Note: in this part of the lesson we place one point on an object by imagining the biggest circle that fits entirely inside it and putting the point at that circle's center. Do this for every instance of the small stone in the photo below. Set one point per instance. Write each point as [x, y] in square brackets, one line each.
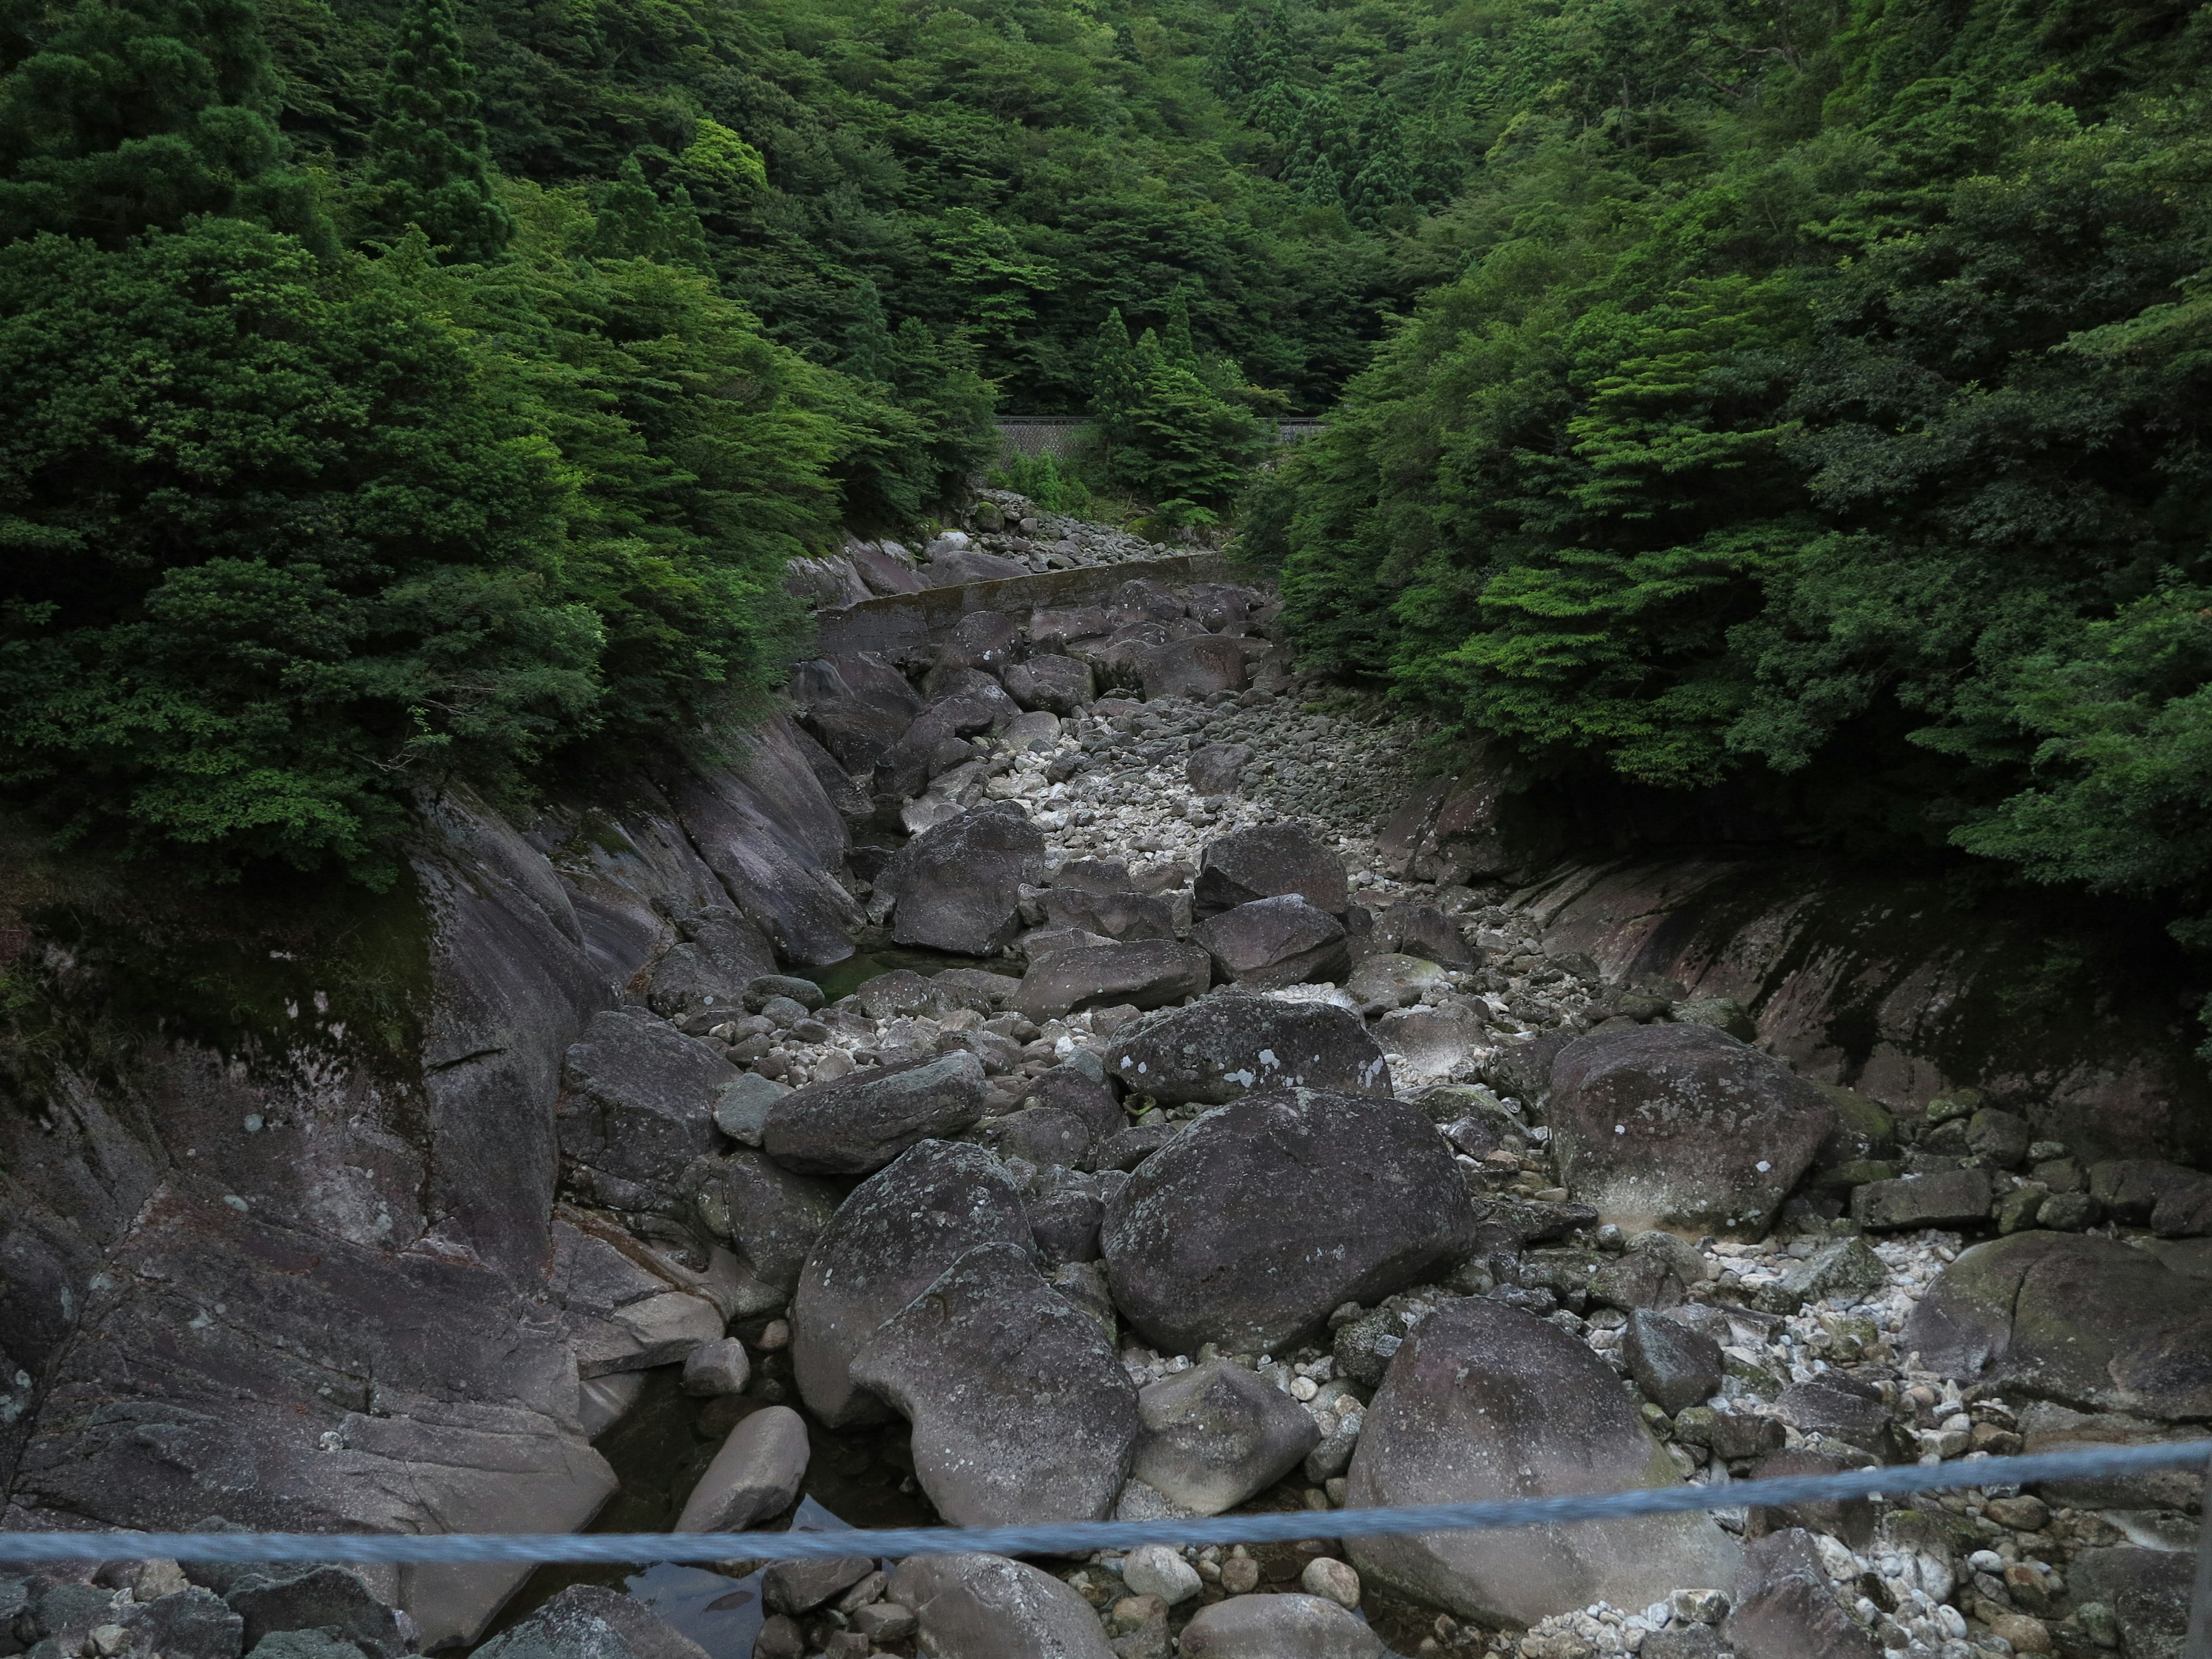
[2027, 1634]
[1156, 1569]
[717, 1368]
[1240, 1575]
[1698, 1606]
[775, 1334]
[1332, 1580]
[2026, 1513]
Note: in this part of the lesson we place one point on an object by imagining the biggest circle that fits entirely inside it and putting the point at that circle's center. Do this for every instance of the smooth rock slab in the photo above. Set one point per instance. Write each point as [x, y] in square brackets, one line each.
[1248, 1227]
[2088, 1322]
[1274, 942]
[1229, 1046]
[1683, 1127]
[985, 1606]
[1022, 1411]
[900, 1229]
[755, 1475]
[1216, 1434]
[958, 884]
[1269, 861]
[1279, 1627]
[1147, 973]
[860, 1123]
[1485, 1402]
[585, 1621]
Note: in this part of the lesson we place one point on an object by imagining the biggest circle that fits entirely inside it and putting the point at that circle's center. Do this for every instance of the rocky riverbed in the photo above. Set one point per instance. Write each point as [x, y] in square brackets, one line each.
[1203, 1159]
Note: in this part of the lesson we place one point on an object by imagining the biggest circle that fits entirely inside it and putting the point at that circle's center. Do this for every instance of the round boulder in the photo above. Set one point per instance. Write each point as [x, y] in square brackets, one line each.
[1227, 1046]
[1249, 1226]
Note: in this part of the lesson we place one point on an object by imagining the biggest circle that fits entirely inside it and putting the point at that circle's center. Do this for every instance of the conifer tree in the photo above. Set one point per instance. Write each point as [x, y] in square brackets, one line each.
[1116, 380]
[427, 151]
[868, 354]
[1319, 150]
[1386, 178]
[1180, 347]
[635, 223]
[119, 116]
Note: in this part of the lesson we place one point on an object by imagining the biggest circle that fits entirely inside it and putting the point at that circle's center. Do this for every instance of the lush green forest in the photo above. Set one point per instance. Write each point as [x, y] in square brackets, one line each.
[1819, 412]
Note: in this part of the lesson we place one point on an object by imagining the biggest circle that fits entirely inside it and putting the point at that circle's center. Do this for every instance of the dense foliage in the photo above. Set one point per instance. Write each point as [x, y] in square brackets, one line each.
[1820, 409]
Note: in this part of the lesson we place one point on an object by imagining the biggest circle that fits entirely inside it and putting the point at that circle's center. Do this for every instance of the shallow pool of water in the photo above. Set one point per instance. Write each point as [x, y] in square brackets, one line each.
[843, 978]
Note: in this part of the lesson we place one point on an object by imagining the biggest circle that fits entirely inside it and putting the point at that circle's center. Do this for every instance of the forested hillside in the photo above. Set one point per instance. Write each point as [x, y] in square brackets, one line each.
[1821, 412]
[401, 392]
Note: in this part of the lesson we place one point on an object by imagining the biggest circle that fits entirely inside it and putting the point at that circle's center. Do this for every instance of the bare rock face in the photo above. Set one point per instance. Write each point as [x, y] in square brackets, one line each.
[858, 1123]
[2087, 1322]
[1267, 862]
[985, 1606]
[857, 705]
[1141, 973]
[1022, 1413]
[1273, 942]
[1484, 1402]
[1227, 1046]
[958, 885]
[1682, 1126]
[1216, 1434]
[1246, 1229]
[900, 1229]
[637, 1105]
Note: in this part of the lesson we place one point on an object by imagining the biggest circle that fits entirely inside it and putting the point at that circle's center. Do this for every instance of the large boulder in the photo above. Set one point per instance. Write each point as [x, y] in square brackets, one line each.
[861, 1123]
[1283, 1626]
[707, 972]
[1216, 1434]
[958, 885]
[1249, 1226]
[755, 1475]
[1227, 1046]
[2089, 1322]
[587, 1621]
[1785, 1609]
[1048, 681]
[770, 1215]
[1682, 1127]
[1110, 915]
[1486, 1403]
[985, 1606]
[857, 705]
[1022, 1413]
[1273, 942]
[1421, 930]
[637, 1105]
[901, 1228]
[950, 567]
[1215, 768]
[1142, 973]
[1269, 861]
[1194, 667]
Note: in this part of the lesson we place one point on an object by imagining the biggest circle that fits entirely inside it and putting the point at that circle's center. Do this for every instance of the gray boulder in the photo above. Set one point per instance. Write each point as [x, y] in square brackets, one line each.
[1246, 1229]
[1229, 1046]
[290, 1644]
[1094, 876]
[1421, 930]
[856, 706]
[769, 1214]
[636, 1106]
[741, 1108]
[1215, 768]
[188, 1624]
[956, 565]
[901, 1228]
[1216, 1434]
[981, 639]
[319, 1598]
[1267, 862]
[1944, 1198]
[858, 1123]
[1066, 1208]
[1195, 667]
[755, 1476]
[883, 572]
[1785, 1609]
[586, 1621]
[1271, 942]
[958, 885]
[2175, 1202]
[2147, 1590]
[1674, 1366]
[1058, 685]
[707, 972]
[1287, 1626]
[1142, 973]
[985, 1606]
[2087, 1322]
[1112, 915]
[902, 991]
[1684, 1127]
[797, 1587]
[1022, 1413]
[1484, 1402]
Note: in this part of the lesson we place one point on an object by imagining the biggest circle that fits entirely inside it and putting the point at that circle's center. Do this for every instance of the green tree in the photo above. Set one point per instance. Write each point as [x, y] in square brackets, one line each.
[428, 149]
[117, 115]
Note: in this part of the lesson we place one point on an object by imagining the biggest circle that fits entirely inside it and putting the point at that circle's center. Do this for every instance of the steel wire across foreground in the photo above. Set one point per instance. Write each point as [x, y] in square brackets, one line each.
[1076, 1537]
